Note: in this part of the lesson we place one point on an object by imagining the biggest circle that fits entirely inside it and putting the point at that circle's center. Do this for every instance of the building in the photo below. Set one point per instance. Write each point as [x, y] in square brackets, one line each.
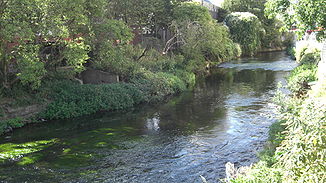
[211, 7]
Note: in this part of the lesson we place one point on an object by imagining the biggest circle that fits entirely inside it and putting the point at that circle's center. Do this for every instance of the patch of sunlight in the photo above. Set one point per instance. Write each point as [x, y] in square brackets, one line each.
[88, 172]
[111, 134]
[13, 151]
[101, 144]
[66, 151]
[29, 160]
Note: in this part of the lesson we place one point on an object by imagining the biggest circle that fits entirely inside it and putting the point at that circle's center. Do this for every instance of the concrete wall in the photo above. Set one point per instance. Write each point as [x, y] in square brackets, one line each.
[92, 76]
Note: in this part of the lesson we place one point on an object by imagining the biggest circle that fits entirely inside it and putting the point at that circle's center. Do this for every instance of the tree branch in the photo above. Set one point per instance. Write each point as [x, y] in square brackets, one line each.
[143, 54]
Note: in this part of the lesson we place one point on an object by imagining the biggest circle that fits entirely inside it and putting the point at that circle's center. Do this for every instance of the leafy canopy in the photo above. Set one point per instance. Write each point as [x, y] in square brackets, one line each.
[304, 14]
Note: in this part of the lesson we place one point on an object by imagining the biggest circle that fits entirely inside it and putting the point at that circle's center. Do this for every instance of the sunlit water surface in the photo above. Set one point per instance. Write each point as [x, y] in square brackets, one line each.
[224, 119]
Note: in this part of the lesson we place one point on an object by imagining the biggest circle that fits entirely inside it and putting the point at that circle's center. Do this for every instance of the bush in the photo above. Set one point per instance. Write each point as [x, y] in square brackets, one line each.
[276, 135]
[245, 29]
[146, 86]
[156, 62]
[291, 52]
[259, 173]
[156, 86]
[192, 12]
[9, 124]
[116, 59]
[302, 153]
[188, 78]
[201, 40]
[89, 99]
[306, 53]
[207, 43]
[311, 57]
[237, 50]
[298, 81]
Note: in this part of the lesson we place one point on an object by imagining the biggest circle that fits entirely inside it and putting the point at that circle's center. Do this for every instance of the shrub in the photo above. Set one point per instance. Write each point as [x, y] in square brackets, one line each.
[201, 40]
[237, 50]
[309, 54]
[146, 86]
[192, 12]
[157, 86]
[298, 81]
[259, 173]
[302, 153]
[291, 52]
[89, 99]
[310, 57]
[9, 124]
[156, 62]
[245, 29]
[206, 43]
[115, 59]
[188, 78]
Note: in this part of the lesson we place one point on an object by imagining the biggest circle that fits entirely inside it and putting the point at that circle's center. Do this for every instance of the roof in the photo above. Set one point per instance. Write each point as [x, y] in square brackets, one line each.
[214, 2]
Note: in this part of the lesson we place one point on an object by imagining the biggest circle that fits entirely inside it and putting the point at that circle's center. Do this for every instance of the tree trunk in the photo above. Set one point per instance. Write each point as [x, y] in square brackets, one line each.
[4, 68]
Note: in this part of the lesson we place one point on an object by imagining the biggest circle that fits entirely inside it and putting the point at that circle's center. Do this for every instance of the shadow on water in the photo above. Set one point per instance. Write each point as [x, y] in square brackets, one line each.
[225, 119]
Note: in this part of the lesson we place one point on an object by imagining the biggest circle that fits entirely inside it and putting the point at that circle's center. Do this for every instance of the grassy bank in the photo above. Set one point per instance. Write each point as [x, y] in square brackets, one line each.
[64, 99]
[297, 145]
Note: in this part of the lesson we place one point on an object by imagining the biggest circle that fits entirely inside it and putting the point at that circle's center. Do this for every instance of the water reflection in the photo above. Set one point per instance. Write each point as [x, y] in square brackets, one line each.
[153, 123]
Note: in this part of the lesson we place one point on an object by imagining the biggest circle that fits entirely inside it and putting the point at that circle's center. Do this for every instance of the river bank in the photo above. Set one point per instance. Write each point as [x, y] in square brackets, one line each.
[64, 99]
[68, 99]
[225, 118]
[296, 147]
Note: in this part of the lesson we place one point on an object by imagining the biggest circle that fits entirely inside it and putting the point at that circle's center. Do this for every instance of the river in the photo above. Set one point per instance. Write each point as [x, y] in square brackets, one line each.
[224, 119]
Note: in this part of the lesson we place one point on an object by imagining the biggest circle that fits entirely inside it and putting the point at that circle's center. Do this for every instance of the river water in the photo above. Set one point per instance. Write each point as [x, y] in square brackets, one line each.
[224, 119]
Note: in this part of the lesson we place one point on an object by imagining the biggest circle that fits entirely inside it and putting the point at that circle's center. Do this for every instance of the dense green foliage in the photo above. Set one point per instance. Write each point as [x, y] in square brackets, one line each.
[302, 152]
[149, 87]
[301, 77]
[42, 54]
[304, 14]
[89, 99]
[245, 29]
[30, 28]
[11, 123]
[307, 54]
[272, 37]
[255, 7]
[191, 12]
[152, 14]
[201, 39]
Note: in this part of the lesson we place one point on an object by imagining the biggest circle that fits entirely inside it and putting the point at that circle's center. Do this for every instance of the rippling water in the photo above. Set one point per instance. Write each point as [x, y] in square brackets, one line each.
[225, 119]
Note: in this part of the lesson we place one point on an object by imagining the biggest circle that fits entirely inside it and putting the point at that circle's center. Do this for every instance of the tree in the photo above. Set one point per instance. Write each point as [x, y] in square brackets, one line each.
[304, 14]
[245, 29]
[255, 7]
[38, 35]
[200, 38]
[271, 25]
[150, 14]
